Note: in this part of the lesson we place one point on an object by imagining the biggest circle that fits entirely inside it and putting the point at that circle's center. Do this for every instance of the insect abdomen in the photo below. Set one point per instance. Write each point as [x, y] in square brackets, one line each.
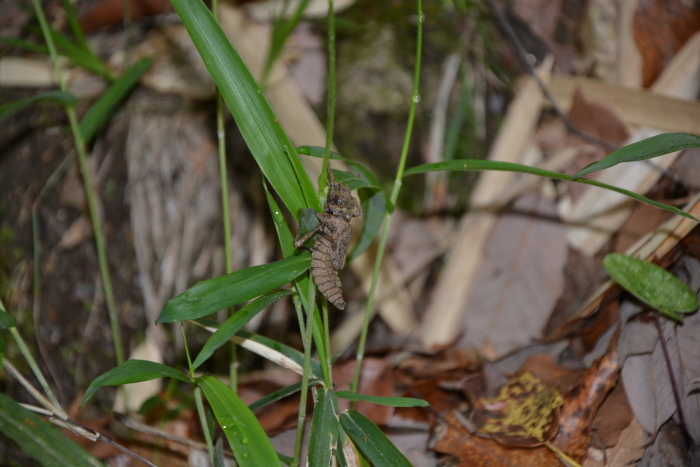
[325, 277]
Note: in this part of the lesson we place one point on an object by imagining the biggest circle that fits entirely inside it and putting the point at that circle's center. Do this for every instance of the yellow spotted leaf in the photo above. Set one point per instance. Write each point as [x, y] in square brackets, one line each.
[525, 413]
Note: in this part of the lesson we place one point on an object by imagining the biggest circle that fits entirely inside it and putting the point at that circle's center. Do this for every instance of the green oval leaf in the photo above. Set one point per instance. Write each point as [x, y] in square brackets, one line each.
[371, 441]
[132, 371]
[652, 284]
[235, 323]
[481, 165]
[390, 401]
[221, 292]
[267, 141]
[248, 440]
[642, 150]
[37, 438]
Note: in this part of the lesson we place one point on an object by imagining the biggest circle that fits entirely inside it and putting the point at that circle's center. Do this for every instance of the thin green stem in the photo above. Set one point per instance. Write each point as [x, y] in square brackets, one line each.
[90, 191]
[330, 118]
[330, 125]
[226, 217]
[327, 340]
[415, 98]
[307, 339]
[37, 372]
[203, 420]
[187, 349]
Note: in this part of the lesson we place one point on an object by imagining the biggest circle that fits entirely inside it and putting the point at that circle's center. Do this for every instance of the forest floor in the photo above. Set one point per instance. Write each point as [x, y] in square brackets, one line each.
[493, 293]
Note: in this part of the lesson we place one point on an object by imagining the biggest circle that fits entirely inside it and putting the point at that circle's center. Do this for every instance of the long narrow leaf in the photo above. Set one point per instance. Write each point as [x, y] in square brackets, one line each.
[374, 207]
[280, 394]
[59, 97]
[6, 320]
[324, 429]
[390, 401]
[80, 56]
[98, 114]
[234, 324]
[249, 443]
[267, 141]
[371, 441]
[224, 291]
[285, 351]
[132, 371]
[39, 439]
[481, 165]
[642, 150]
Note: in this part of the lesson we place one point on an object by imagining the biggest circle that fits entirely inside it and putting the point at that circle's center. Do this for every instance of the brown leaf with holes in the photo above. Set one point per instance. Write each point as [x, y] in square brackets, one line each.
[525, 413]
[455, 439]
[581, 405]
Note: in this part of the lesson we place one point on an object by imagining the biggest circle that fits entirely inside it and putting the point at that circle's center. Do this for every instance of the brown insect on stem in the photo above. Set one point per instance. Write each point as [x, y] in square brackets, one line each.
[331, 246]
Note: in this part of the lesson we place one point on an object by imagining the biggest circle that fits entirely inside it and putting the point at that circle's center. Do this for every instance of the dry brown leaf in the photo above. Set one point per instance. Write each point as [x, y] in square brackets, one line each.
[519, 281]
[646, 375]
[614, 416]
[453, 438]
[628, 450]
[661, 27]
[581, 404]
[524, 414]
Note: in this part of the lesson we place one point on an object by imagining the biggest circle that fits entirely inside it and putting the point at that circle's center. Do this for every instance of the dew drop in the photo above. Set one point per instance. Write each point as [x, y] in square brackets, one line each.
[244, 455]
[416, 98]
[244, 441]
[421, 18]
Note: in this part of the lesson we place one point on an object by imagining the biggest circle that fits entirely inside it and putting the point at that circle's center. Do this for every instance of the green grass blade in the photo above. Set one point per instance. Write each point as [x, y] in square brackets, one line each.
[371, 441]
[221, 292]
[74, 24]
[132, 371]
[249, 443]
[642, 150]
[324, 429]
[25, 45]
[285, 350]
[280, 394]
[234, 324]
[652, 284]
[374, 206]
[6, 320]
[481, 165]
[80, 56]
[267, 141]
[37, 438]
[104, 107]
[390, 401]
[281, 30]
[284, 233]
[293, 354]
[60, 97]
[315, 151]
